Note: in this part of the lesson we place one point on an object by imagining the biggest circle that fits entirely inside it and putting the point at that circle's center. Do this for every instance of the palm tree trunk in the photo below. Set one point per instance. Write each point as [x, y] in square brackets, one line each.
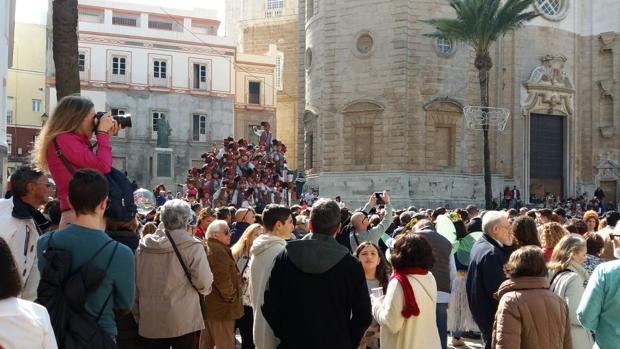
[65, 47]
[483, 78]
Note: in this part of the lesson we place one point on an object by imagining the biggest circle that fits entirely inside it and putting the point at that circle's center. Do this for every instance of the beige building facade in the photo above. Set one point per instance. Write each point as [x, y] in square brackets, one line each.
[383, 104]
[270, 27]
[26, 105]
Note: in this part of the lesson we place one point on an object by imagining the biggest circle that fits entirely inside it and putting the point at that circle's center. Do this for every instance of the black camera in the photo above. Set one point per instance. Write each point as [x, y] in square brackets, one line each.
[124, 121]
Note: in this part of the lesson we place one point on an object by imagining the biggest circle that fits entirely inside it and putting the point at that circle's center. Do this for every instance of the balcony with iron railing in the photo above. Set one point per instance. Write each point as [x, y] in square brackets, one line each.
[119, 78]
[272, 13]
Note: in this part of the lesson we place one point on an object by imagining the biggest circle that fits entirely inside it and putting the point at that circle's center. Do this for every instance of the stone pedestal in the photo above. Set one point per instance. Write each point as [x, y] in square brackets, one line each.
[163, 162]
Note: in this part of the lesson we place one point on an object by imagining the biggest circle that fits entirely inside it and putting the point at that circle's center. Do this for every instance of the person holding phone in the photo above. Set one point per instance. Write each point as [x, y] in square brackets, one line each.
[377, 271]
[70, 128]
[361, 222]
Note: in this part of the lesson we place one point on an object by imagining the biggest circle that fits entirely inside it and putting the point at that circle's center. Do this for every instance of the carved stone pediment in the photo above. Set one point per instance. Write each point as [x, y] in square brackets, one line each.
[607, 169]
[363, 105]
[607, 39]
[549, 88]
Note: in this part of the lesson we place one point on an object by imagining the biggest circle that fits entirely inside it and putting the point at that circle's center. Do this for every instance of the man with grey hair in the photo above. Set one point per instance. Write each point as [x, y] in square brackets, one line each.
[224, 305]
[485, 273]
[329, 280]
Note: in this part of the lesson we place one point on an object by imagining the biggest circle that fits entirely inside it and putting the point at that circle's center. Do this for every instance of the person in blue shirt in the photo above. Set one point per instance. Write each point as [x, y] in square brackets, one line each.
[599, 309]
[83, 238]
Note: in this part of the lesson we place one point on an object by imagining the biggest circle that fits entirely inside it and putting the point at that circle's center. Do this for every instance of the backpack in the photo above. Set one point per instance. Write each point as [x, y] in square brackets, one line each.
[64, 294]
[121, 207]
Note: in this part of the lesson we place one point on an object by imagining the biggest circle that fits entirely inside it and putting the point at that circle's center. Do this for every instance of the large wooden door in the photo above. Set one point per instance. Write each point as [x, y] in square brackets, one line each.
[546, 155]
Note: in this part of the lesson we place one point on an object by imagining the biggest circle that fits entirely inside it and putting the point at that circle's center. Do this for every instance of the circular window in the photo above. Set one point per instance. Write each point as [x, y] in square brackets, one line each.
[444, 47]
[552, 9]
[308, 58]
[364, 43]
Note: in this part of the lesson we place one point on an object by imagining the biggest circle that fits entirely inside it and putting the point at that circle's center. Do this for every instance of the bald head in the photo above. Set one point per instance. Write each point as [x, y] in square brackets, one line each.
[245, 215]
[359, 221]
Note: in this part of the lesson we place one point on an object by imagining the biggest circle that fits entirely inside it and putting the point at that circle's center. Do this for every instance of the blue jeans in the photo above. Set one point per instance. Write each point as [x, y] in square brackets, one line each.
[442, 323]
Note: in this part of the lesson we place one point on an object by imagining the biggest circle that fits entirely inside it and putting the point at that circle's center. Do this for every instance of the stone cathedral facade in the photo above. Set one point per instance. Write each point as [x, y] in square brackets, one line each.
[381, 105]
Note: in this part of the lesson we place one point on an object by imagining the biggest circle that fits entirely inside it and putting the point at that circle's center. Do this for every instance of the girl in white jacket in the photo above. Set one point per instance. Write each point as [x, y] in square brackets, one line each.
[568, 279]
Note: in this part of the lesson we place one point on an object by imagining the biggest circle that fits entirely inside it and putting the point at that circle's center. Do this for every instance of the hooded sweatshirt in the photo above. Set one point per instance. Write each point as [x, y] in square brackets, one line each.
[317, 280]
[264, 251]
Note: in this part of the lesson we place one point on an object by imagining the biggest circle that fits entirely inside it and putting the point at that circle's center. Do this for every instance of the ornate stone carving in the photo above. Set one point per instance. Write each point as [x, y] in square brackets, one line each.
[549, 88]
[607, 88]
[607, 169]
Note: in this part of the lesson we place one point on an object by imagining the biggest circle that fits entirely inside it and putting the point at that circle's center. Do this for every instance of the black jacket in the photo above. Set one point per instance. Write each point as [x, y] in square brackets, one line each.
[317, 296]
[238, 228]
[484, 277]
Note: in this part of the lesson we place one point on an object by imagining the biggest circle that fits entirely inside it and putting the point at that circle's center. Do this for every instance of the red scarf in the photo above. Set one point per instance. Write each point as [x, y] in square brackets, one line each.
[411, 306]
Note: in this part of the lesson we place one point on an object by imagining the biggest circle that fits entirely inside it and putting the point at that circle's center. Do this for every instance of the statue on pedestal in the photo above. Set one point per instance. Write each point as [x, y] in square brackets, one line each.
[163, 132]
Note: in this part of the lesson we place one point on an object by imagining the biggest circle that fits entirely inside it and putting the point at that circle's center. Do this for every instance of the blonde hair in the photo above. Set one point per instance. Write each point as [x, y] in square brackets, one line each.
[240, 246]
[564, 251]
[147, 229]
[550, 234]
[67, 117]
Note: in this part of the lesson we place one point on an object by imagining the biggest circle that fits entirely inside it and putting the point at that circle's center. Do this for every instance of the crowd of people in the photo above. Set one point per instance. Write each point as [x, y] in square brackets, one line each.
[318, 274]
[241, 174]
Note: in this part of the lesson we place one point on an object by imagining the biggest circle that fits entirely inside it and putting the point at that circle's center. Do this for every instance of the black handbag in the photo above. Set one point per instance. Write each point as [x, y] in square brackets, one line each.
[189, 276]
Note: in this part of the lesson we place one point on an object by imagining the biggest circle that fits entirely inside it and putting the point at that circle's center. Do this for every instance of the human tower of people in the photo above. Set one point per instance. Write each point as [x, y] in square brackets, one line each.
[77, 273]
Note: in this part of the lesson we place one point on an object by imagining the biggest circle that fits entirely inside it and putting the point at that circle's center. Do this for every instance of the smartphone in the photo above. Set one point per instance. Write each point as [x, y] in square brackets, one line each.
[379, 199]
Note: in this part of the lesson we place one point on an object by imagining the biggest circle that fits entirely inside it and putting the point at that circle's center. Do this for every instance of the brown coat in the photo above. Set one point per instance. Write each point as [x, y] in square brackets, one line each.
[530, 316]
[224, 302]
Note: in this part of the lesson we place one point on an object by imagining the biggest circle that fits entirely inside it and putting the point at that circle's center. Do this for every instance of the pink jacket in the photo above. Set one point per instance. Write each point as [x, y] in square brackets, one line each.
[76, 149]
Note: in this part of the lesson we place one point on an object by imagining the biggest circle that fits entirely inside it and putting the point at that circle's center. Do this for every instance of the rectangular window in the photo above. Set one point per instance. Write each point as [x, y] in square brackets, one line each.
[278, 72]
[36, 105]
[274, 8]
[9, 142]
[156, 116]
[273, 4]
[254, 92]
[159, 24]
[119, 65]
[81, 62]
[125, 20]
[200, 76]
[199, 128]
[443, 151]
[9, 109]
[90, 16]
[363, 145]
[159, 69]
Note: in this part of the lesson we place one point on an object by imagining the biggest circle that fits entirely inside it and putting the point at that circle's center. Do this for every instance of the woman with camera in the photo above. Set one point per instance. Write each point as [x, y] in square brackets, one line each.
[69, 130]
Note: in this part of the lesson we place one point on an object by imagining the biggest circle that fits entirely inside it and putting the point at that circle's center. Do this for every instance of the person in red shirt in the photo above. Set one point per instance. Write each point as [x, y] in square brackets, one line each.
[71, 126]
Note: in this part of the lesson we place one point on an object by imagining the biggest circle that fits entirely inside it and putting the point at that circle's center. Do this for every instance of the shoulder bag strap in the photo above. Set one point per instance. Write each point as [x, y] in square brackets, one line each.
[551, 287]
[424, 288]
[185, 269]
[62, 157]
